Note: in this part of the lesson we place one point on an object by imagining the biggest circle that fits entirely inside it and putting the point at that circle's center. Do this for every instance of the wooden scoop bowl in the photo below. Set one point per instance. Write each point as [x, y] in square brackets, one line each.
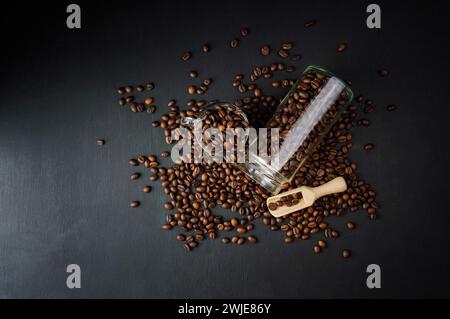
[309, 196]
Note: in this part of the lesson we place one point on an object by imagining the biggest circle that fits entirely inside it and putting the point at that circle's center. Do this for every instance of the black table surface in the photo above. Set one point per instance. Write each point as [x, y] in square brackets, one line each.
[64, 200]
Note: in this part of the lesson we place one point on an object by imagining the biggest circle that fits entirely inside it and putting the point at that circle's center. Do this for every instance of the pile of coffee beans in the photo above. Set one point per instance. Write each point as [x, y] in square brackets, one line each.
[196, 190]
[288, 201]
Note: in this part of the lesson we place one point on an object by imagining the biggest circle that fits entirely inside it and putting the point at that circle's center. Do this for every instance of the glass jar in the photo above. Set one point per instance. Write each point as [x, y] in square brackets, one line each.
[305, 115]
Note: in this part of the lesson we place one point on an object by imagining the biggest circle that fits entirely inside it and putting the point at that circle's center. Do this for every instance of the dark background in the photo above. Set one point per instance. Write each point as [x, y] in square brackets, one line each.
[64, 200]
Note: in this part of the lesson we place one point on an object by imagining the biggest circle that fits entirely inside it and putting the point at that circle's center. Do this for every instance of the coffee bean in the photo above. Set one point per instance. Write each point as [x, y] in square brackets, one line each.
[129, 89]
[122, 101]
[391, 107]
[265, 50]
[129, 99]
[283, 53]
[121, 90]
[368, 147]
[225, 240]
[351, 225]
[150, 86]
[155, 123]
[252, 239]
[322, 243]
[192, 89]
[234, 222]
[100, 141]
[244, 32]
[234, 43]
[241, 230]
[193, 74]
[241, 241]
[186, 56]
[346, 253]
[140, 88]
[167, 227]
[273, 206]
[168, 206]
[151, 109]
[135, 176]
[287, 45]
[207, 82]
[341, 47]
[147, 189]
[310, 23]
[148, 101]
[317, 249]
[133, 162]
[135, 204]
[205, 48]
[186, 247]
[165, 154]
[181, 237]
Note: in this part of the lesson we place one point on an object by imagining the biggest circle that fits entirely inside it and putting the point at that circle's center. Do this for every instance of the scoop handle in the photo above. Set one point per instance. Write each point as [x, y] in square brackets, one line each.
[337, 185]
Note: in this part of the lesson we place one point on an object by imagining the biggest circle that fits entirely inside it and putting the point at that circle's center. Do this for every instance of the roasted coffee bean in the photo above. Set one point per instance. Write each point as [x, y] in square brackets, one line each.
[317, 249]
[205, 47]
[129, 99]
[368, 147]
[322, 243]
[287, 45]
[241, 230]
[252, 239]
[155, 123]
[351, 225]
[135, 204]
[225, 240]
[186, 247]
[121, 90]
[150, 86]
[148, 101]
[310, 23]
[186, 56]
[346, 253]
[181, 237]
[151, 109]
[122, 101]
[192, 89]
[167, 227]
[147, 189]
[241, 241]
[133, 162]
[265, 50]
[234, 43]
[129, 89]
[207, 82]
[100, 141]
[244, 32]
[193, 74]
[283, 53]
[273, 206]
[165, 154]
[391, 107]
[140, 88]
[168, 206]
[341, 47]
[135, 176]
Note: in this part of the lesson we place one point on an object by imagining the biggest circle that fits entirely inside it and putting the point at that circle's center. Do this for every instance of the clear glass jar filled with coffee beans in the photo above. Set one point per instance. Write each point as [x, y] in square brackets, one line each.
[305, 115]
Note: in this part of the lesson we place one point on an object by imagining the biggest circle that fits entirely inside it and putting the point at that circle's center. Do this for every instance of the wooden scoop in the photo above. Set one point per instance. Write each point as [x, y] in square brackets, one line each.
[309, 196]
